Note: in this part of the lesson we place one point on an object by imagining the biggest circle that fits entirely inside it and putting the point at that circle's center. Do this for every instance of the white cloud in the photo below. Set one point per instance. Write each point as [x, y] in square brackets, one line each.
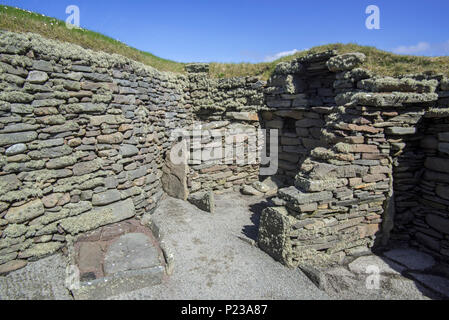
[419, 48]
[425, 48]
[280, 55]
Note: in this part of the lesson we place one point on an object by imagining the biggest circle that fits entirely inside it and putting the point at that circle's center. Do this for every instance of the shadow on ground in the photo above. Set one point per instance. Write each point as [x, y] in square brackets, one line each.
[252, 231]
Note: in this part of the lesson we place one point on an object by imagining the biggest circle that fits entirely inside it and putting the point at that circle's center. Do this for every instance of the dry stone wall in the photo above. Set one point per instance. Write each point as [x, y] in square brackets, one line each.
[224, 110]
[364, 187]
[299, 95]
[85, 139]
[82, 141]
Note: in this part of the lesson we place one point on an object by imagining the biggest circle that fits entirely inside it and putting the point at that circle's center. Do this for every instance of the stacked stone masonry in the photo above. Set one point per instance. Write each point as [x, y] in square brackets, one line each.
[83, 137]
[86, 141]
[379, 175]
[222, 110]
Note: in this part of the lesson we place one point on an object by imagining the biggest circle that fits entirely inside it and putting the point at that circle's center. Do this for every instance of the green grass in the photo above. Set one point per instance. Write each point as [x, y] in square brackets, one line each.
[378, 61]
[18, 20]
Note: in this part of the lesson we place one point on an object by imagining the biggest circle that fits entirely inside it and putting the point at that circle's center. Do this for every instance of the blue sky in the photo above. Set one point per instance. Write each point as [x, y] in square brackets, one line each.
[256, 30]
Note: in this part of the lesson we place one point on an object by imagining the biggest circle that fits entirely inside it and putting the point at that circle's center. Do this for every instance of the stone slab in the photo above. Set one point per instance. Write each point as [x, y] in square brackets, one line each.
[98, 217]
[119, 283]
[132, 251]
[411, 258]
[436, 283]
[361, 265]
[203, 200]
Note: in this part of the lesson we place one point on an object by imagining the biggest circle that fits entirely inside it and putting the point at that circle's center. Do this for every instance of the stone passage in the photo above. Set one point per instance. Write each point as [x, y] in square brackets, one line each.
[86, 141]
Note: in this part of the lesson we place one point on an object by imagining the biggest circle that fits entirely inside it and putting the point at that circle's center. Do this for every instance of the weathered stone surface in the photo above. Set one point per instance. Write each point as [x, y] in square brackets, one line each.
[12, 266]
[107, 119]
[245, 116]
[312, 185]
[119, 283]
[37, 77]
[84, 108]
[297, 197]
[104, 198]
[437, 164]
[115, 138]
[389, 84]
[132, 251]
[174, 179]
[400, 130]
[273, 233]
[15, 230]
[41, 250]
[54, 152]
[346, 61]
[396, 99]
[251, 191]
[273, 185]
[411, 258]
[16, 149]
[17, 137]
[197, 67]
[98, 217]
[61, 162]
[136, 174]
[68, 126]
[203, 200]
[364, 265]
[128, 150]
[25, 212]
[261, 187]
[8, 183]
[51, 200]
[436, 283]
[83, 168]
[438, 222]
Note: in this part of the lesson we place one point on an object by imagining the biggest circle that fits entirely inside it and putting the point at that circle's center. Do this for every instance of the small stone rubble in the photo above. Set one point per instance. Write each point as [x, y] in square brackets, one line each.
[397, 274]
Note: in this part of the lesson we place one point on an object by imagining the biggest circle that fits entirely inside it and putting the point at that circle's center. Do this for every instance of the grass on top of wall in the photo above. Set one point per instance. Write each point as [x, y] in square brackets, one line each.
[378, 61]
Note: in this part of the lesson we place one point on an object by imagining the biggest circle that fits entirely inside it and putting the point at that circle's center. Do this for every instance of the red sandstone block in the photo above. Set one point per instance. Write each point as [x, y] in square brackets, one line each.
[373, 156]
[365, 148]
[355, 181]
[374, 177]
[380, 169]
[355, 139]
[368, 230]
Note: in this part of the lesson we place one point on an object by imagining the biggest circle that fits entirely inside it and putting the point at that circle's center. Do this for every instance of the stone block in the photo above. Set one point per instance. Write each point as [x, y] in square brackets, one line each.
[203, 200]
[411, 258]
[437, 164]
[26, 212]
[344, 62]
[17, 137]
[99, 216]
[295, 196]
[105, 198]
